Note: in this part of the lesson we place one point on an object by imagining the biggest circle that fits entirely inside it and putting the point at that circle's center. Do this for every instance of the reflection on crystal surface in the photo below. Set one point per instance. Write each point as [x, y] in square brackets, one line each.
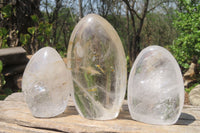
[155, 87]
[98, 65]
[46, 83]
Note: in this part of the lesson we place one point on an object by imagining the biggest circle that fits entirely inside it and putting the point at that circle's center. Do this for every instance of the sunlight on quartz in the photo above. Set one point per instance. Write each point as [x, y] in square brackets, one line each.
[155, 87]
[98, 65]
[46, 83]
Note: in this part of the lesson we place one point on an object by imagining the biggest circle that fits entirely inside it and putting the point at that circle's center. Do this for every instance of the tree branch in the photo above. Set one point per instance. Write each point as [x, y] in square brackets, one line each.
[158, 4]
[146, 4]
[131, 8]
[131, 13]
[47, 10]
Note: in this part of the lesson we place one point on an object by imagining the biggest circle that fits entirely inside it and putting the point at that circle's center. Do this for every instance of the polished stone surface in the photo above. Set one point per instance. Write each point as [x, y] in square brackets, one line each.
[46, 83]
[155, 87]
[97, 60]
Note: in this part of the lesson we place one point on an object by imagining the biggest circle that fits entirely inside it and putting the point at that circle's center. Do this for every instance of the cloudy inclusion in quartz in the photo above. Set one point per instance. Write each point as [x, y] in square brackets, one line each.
[155, 87]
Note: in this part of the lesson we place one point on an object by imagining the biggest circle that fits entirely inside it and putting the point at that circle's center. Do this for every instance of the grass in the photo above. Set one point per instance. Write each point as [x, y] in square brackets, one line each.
[191, 87]
[2, 96]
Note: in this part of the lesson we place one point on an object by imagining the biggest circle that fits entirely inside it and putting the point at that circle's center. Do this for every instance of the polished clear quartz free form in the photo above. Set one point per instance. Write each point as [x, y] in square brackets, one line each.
[155, 87]
[46, 83]
[98, 64]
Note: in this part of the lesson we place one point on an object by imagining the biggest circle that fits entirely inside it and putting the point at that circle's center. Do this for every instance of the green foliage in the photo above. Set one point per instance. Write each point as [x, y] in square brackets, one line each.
[158, 29]
[187, 47]
[128, 65]
[32, 30]
[191, 87]
[35, 18]
[1, 66]
[6, 91]
[3, 37]
[24, 38]
[6, 11]
[41, 32]
[3, 31]
[2, 80]
[2, 97]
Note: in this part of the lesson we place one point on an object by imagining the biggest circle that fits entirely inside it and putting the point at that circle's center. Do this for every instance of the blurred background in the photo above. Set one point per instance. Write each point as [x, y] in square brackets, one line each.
[33, 24]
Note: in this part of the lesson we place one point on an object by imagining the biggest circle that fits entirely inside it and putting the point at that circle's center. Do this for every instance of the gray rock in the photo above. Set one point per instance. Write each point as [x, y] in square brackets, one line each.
[194, 96]
[189, 76]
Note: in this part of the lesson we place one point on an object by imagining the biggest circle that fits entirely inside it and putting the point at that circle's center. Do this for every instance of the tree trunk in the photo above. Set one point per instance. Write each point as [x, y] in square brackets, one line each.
[134, 47]
[127, 29]
[80, 9]
[55, 21]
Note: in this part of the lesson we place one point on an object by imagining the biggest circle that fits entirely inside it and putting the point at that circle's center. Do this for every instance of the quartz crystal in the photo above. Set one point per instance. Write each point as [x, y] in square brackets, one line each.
[46, 83]
[98, 64]
[155, 87]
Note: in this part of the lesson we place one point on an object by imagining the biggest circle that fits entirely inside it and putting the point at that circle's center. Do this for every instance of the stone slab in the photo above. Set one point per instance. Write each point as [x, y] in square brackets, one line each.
[16, 117]
[12, 51]
[13, 56]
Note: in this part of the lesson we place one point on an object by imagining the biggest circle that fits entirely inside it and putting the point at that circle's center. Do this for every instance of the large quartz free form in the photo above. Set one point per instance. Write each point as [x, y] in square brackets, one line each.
[98, 65]
[46, 83]
[155, 87]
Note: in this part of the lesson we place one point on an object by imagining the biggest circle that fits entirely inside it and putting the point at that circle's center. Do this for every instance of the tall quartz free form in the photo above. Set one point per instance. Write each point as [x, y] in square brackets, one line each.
[46, 83]
[98, 64]
[155, 87]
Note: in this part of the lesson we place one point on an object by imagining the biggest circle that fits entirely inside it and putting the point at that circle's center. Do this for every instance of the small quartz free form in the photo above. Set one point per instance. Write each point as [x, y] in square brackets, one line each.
[46, 83]
[155, 87]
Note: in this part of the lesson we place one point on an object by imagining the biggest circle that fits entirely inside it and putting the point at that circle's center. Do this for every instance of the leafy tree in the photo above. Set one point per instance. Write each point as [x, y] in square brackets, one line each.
[15, 18]
[158, 28]
[38, 36]
[186, 47]
[2, 81]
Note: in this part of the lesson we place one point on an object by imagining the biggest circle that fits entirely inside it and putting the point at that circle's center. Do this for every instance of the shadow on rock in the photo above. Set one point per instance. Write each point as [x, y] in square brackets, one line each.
[185, 119]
